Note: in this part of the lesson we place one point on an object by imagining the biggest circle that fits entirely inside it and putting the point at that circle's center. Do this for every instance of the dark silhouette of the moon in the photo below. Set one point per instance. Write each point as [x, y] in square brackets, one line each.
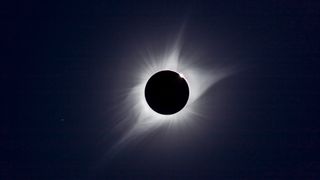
[167, 92]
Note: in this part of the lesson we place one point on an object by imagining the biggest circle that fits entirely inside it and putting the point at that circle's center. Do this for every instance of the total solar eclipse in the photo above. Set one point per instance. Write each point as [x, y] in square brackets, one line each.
[160, 96]
[167, 92]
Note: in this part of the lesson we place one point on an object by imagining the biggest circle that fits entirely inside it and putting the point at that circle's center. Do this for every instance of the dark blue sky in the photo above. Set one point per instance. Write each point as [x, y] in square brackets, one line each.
[60, 70]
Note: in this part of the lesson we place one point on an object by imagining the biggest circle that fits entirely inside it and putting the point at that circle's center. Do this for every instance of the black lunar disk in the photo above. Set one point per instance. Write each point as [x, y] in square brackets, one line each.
[167, 92]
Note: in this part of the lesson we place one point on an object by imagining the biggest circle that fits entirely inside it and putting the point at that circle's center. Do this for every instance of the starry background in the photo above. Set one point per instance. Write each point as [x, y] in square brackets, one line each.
[61, 65]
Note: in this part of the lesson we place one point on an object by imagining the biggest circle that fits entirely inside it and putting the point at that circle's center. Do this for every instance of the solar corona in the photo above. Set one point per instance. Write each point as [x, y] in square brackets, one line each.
[165, 92]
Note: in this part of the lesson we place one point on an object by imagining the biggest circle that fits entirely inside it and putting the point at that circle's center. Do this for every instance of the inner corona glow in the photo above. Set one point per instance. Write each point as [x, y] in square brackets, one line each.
[198, 80]
[139, 114]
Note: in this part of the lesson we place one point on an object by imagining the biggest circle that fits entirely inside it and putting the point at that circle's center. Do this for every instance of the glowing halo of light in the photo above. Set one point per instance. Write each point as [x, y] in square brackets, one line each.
[142, 117]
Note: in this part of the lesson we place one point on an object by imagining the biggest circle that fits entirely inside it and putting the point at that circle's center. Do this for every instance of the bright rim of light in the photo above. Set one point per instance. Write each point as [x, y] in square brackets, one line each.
[138, 112]
[181, 75]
